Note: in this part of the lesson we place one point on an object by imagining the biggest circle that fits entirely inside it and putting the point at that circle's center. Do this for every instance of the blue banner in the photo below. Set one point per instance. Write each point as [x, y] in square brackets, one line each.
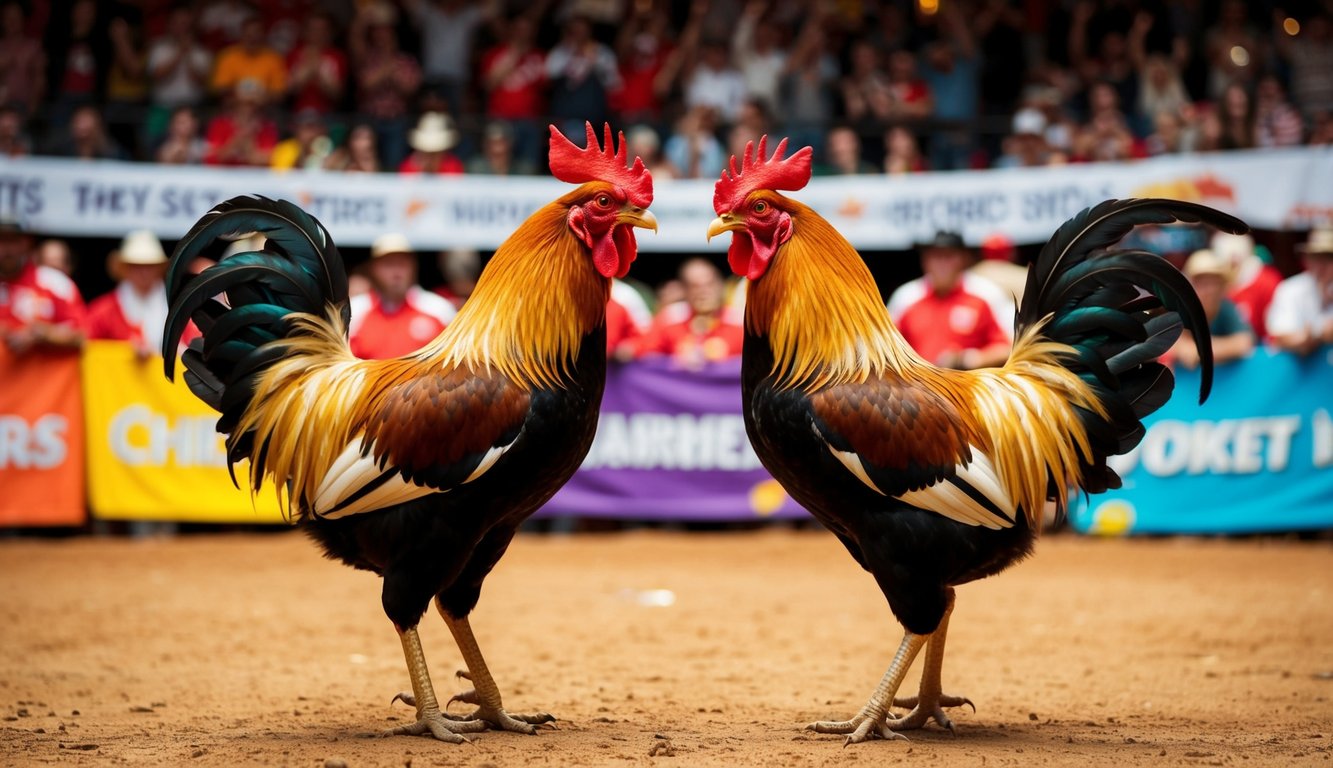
[1258, 456]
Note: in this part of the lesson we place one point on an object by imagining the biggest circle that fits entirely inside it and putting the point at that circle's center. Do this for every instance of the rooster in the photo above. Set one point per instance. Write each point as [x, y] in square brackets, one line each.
[933, 478]
[418, 468]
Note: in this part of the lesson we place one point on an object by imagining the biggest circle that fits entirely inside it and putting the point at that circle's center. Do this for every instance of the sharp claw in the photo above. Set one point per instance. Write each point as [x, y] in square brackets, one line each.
[404, 697]
[970, 704]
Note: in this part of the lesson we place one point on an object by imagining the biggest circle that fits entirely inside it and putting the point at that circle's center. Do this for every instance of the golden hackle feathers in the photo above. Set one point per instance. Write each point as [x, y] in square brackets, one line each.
[827, 325]
[820, 309]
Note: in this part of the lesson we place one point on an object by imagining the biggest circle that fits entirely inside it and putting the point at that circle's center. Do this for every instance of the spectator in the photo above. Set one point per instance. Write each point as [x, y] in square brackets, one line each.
[808, 82]
[583, 73]
[909, 95]
[1235, 114]
[1232, 337]
[1161, 88]
[842, 154]
[221, 22]
[1170, 136]
[902, 153]
[1233, 48]
[1252, 281]
[941, 314]
[1300, 319]
[22, 62]
[54, 253]
[126, 85]
[77, 61]
[136, 309]
[241, 134]
[627, 320]
[700, 329]
[40, 308]
[715, 82]
[866, 94]
[447, 29]
[998, 264]
[308, 147]
[1310, 58]
[87, 138]
[386, 79]
[497, 154]
[358, 154]
[179, 66]
[14, 139]
[183, 143]
[251, 59]
[952, 72]
[461, 268]
[398, 316]
[758, 54]
[644, 48]
[1026, 146]
[1277, 122]
[693, 150]
[431, 141]
[644, 143]
[1321, 131]
[316, 70]
[513, 72]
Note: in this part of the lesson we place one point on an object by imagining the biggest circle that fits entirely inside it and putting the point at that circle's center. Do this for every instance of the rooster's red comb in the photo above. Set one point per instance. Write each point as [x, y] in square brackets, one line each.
[758, 172]
[576, 166]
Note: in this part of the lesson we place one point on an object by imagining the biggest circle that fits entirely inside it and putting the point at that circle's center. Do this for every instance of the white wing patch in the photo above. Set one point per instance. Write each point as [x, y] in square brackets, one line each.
[352, 471]
[946, 497]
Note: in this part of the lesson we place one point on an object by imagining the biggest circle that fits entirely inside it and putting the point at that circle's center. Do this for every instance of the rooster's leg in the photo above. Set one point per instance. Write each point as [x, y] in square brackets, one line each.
[930, 701]
[873, 719]
[429, 718]
[485, 693]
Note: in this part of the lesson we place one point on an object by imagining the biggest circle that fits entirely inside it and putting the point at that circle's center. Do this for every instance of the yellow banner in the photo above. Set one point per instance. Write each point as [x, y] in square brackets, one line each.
[153, 452]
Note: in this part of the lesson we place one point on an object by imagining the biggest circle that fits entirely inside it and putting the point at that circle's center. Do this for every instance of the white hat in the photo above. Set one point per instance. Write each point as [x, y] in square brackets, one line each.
[1029, 120]
[1205, 262]
[1232, 249]
[435, 132]
[141, 247]
[391, 242]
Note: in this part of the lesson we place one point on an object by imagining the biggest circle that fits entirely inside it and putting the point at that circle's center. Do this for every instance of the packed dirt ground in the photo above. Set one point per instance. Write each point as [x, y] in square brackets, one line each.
[670, 649]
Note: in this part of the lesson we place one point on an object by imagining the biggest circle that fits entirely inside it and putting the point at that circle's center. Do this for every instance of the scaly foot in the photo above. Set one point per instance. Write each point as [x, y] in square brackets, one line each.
[925, 711]
[860, 728]
[438, 725]
[494, 718]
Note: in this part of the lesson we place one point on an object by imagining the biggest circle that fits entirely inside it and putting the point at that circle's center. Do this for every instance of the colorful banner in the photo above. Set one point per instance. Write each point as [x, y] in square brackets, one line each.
[41, 439]
[671, 445]
[1271, 189]
[153, 452]
[1258, 456]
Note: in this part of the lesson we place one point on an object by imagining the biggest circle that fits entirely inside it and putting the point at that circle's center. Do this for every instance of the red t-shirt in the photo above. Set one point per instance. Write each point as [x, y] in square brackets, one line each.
[673, 333]
[519, 95]
[953, 322]
[378, 334]
[311, 95]
[223, 128]
[106, 320]
[40, 294]
[450, 165]
[1253, 298]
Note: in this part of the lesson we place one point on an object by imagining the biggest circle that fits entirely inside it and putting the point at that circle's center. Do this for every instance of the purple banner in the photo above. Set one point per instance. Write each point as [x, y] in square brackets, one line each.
[671, 444]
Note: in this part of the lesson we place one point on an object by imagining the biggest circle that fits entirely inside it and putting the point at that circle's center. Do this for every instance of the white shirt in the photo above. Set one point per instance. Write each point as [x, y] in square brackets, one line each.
[1297, 306]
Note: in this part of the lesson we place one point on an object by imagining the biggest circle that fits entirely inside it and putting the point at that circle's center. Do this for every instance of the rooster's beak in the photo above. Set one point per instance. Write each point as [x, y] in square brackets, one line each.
[727, 222]
[637, 217]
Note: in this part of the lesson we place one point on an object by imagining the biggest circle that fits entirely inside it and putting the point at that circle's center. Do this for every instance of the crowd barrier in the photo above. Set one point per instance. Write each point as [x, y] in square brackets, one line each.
[1270, 189]
[671, 445]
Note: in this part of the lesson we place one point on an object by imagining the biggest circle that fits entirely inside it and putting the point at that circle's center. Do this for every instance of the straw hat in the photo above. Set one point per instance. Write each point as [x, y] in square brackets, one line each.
[391, 242]
[1205, 262]
[1321, 241]
[140, 247]
[435, 132]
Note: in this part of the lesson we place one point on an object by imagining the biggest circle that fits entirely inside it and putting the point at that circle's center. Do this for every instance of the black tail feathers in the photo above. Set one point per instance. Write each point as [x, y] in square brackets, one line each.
[241, 303]
[1119, 310]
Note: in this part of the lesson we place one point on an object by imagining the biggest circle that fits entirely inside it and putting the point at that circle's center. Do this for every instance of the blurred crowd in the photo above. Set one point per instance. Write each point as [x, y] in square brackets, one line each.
[448, 86]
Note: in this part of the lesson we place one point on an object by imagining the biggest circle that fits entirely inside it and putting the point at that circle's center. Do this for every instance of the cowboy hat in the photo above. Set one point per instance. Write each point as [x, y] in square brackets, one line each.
[140, 248]
[1321, 241]
[435, 132]
[391, 242]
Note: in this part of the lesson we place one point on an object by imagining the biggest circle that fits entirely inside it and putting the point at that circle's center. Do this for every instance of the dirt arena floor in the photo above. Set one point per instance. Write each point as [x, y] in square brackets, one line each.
[664, 649]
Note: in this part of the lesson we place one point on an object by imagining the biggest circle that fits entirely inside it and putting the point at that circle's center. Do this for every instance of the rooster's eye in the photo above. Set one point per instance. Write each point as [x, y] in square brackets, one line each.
[604, 201]
[760, 207]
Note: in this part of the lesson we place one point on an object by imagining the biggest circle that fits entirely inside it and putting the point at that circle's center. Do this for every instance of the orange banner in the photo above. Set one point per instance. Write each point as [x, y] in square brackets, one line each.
[41, 439]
